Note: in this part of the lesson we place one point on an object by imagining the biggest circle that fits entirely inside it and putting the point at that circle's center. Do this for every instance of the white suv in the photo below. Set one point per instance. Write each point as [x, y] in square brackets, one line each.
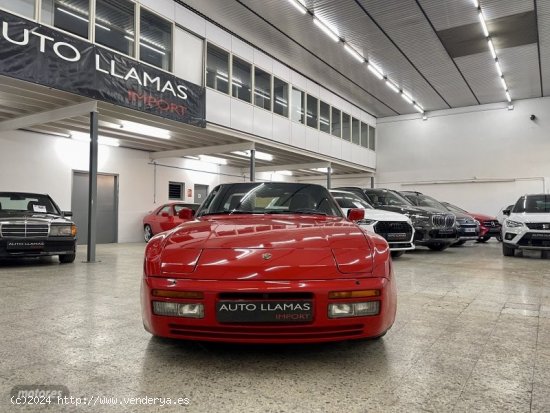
[527, 225]
[396, 228]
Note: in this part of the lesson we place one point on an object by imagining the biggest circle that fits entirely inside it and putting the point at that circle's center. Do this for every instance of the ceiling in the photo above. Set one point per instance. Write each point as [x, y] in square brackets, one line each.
[433, 49]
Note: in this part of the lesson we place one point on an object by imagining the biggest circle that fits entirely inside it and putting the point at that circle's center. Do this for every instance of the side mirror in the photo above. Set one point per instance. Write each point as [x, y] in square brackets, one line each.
[506, 212]
[356, 214]
[186, 213]
[67, 214]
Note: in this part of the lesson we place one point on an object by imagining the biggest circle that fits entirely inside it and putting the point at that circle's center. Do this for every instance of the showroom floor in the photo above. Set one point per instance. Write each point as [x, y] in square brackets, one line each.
[472, 334]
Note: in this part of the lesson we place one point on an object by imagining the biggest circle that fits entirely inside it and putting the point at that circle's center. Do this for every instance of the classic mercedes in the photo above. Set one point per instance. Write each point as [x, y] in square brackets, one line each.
[268, 263]
[32, 225]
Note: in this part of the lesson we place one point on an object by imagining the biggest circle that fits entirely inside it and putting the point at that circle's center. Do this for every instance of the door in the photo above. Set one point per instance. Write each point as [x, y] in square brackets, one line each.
[107, 207]
[200, 193]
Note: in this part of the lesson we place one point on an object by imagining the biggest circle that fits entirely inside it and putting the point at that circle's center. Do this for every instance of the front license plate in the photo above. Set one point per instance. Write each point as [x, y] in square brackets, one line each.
[446, 231]
[397, 236]
[25, 245]
[540, 236]
[264, 311]
[469, 230]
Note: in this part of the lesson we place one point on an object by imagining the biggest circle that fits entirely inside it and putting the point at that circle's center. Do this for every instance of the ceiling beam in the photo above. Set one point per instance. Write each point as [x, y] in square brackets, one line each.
[48, 116]
[293, 167]
[205, 150]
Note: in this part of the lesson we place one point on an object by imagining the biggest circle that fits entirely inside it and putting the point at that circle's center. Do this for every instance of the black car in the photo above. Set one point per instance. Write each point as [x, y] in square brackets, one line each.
[467, 227]
[32, 225]
[433, 229]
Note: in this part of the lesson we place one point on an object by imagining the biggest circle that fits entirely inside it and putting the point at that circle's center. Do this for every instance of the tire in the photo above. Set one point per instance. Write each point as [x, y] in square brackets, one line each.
[484, 239]
[67, 258]
[397, 254]
[499, 237]
[438, 246]
[507, 251]
[147, 233]
[459, 243]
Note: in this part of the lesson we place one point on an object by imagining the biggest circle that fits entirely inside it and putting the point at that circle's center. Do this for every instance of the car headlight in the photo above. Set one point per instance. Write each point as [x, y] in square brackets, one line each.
[189, 310]
[513, 224]
[367, 221]
[340, 310]
[63, 230]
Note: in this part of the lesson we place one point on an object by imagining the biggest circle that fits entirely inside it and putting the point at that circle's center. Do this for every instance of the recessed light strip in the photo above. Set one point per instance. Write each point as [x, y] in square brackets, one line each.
[492, 49]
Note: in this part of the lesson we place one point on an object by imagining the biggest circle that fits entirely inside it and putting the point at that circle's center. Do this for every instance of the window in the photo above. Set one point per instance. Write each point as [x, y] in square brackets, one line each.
[69, 15]
[280, 91]
[371, 138]
[241, 79]
[312, 111]
[298, 98]
[165, 210]
[155, 40]
[364, 135]
[262, 89]
[336, 124]
[22, 7]
[217, 68]
[355, 131]
[114, 25]
[324, 117]
[346, 127]
[176, 190]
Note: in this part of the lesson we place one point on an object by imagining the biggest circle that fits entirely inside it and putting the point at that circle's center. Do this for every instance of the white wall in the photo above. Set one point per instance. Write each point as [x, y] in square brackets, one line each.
[41, 163]
[465, 147]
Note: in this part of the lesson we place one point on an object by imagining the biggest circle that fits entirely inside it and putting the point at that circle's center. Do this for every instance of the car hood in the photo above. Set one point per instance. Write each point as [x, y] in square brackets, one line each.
[8, 216]
[530, 217]
[265, 248]
[482, 217]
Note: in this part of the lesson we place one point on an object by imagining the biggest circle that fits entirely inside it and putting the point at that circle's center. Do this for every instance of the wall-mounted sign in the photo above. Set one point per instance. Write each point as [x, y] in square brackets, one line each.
[39, 54]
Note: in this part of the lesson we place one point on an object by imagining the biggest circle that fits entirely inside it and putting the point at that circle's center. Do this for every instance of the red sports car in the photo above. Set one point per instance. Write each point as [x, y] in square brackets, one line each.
[268, 263]
[164, 218]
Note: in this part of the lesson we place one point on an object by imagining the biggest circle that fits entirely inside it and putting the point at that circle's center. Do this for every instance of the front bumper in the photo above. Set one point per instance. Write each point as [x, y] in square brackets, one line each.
[430, 235]
[467, 233]
[320, 329]
[36, 247]
[524, 238]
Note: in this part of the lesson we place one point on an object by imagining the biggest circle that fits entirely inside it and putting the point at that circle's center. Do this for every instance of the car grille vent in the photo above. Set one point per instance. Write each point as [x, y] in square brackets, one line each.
[538, 225]
[447, 221]
[25, 230]
[385, 227]
[267, 296]
[491, 223]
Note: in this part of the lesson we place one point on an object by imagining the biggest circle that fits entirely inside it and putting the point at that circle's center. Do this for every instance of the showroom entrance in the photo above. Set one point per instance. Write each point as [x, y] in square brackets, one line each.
[107, 207]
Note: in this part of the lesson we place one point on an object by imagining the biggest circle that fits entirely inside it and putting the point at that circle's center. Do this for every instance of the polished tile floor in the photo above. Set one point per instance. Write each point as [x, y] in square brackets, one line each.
[472, 334]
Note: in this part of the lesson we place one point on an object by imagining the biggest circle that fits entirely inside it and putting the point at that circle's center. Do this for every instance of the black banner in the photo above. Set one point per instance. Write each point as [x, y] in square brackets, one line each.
[38, 54]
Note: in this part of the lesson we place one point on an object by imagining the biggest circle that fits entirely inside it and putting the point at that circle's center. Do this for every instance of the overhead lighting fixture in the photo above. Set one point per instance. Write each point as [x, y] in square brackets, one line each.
[499, 70]
[418, 108]
[301, 7]
[154, 49]
[101, 140]
[483, 24]
[392, 86]
[258, 155]
[330, 32]
[492, 48]
[323, 170]
[283, 172]
[504, 85]
[145, 129]
[407, 97]
[196, 158]
[476, 3]
[508, 97]
[357, 56]
[213, 159]
[375, 71]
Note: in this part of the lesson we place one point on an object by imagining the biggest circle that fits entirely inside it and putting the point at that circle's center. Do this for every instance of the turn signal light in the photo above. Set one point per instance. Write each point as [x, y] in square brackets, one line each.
[178, 294]
[73, 230]
[354, 294]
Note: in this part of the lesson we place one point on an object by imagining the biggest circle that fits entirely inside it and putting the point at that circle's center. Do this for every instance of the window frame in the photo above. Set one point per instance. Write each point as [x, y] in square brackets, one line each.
[230, 74]
[137, 36]
[303, 121]
[254, 68]
[317, 111]
[229, 68]
[288, 86]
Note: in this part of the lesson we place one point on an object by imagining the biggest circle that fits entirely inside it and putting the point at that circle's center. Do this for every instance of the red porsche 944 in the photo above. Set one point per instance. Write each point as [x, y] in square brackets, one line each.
[268, 263]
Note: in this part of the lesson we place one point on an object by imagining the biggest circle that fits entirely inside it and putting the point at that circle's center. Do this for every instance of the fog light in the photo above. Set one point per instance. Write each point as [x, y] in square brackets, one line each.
[509, 236]
[339, 310]
[178, 309]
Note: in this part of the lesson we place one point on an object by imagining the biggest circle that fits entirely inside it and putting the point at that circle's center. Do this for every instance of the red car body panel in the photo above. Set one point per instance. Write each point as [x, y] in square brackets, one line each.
[483, 229]
[290, 254]
[160, 223]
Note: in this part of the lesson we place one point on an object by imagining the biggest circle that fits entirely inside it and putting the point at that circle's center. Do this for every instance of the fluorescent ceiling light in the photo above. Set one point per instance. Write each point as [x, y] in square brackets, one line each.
[102, 140]
[258, 155]
[375, 71]
[418, 108]
[299, 6]
[483, 25]
[492, 48]
[324, 170]
[392, 86]
[76, 16]
[508, 96]
[354, 53]
[213, 159]
[329, 31]
[154, 49]
[145, 129]
[283, 172]
[407, 97]
[192, 157]
[476, 3]
[499, 70]
[504, 85]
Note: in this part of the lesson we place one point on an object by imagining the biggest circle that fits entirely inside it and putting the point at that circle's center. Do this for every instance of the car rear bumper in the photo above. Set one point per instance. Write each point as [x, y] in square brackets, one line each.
[30, 247]
[320, 329]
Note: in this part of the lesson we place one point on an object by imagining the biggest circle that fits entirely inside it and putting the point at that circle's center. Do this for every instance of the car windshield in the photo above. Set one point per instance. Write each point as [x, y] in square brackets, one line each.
[536, 204]
[425, 201]
[270, 198]
[347, 200]
[454, 208]
[384, 197]
[20, 202]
